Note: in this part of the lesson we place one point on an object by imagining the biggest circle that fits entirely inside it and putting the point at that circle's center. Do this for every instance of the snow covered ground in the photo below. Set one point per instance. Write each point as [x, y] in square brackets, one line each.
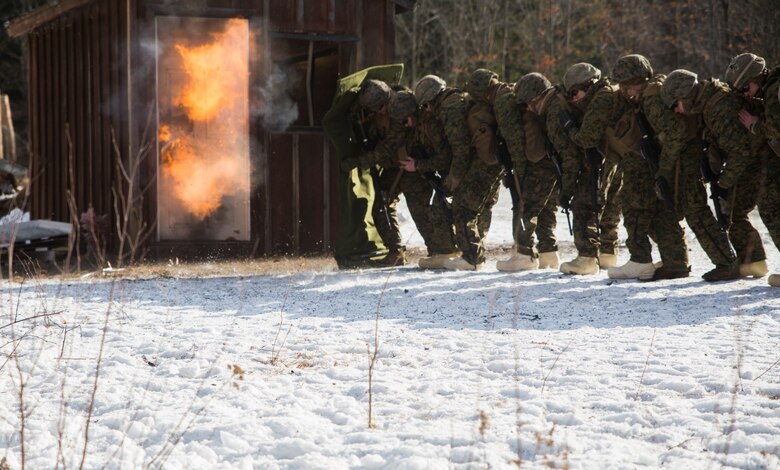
[473, 370]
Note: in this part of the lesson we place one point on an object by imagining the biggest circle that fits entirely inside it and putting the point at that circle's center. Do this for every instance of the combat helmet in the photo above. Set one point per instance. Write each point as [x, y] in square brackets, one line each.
[678, 86]
[478, 85]
[374, 94]
[632, 69]
[402, 105]
[428, 88]
[579, 74]
[530, 86]
[743, 68]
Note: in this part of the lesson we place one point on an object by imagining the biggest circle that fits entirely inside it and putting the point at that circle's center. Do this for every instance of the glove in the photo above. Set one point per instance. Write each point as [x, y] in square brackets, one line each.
[565, 201]
[567, 121]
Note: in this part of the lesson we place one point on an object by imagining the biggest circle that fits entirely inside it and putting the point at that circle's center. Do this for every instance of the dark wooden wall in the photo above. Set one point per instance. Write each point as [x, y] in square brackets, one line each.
[78, 93]
[82, 81]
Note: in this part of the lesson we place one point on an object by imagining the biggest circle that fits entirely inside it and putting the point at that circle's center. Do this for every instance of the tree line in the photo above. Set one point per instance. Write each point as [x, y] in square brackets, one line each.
[451, 38]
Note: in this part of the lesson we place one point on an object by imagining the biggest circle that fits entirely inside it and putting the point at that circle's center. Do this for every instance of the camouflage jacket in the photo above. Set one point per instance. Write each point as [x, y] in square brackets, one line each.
[673, 131]
[769, 125]
[602, 107]
[450, 119]
[430, 135]
[720, 108]
[572, 157]
[510, 126]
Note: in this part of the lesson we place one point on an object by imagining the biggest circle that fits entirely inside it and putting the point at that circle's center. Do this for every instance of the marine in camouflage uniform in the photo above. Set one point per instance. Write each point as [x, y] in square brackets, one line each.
[645, 216]
[732, 158]
[433, 221]
[749, 76]
[679, 166]
[475, 174]
[535, 171]
[374, 128]
[600, 105]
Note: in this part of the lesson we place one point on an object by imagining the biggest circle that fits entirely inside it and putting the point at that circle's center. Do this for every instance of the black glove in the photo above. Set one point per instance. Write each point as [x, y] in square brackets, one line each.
[567, 121]
[565, 201]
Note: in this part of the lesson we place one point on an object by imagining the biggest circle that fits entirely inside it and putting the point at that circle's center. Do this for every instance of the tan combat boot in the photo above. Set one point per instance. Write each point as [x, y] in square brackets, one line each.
[774, 280]
[581, 265]
[436, 261]
[518, 262]
[755, 269]
[607, 260]
[460, 264]
[632, 270]
[549, 260]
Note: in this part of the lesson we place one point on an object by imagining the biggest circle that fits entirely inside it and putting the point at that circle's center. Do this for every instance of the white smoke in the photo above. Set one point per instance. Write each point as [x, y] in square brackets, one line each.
[277, 109]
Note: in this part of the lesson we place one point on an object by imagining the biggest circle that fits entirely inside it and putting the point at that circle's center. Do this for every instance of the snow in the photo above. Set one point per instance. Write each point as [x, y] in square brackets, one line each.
[473, 370]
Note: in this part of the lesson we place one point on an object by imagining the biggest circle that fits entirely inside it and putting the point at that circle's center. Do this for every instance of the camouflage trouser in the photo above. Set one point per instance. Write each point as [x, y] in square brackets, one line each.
[432, 217]
[387, 225]
[769, 202]
[645, 217]
[610, 215]
[742, 199]
[540, 201]
[691, 197]
[472, 203]
[585, 222]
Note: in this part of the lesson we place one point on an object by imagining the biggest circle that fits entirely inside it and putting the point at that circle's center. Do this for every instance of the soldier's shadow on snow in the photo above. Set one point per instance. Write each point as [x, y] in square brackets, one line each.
[541, 300]
[544, 299]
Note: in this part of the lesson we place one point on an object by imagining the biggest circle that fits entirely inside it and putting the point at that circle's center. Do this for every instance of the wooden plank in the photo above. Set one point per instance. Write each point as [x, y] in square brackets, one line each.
[28, 22]
[33, 105]
[61, 156]
[282, 14]
[106, 108]
[345, 20]
[280, 193]
[315, 16]
[311, 223]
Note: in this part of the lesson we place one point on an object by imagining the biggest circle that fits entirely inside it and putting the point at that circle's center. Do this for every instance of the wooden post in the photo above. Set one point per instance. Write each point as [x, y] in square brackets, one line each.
[7, 135]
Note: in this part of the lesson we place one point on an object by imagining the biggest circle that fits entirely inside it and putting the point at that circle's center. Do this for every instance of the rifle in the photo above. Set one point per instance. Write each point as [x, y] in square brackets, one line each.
[367, 146]
[595, 161]
[716, 193]
[511, 182]
[556, 160]
[433, 178]
[652, 154]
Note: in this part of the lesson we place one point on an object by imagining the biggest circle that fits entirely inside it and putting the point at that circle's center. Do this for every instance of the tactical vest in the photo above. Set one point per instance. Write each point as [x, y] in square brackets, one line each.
[616, 137]
[482, 128]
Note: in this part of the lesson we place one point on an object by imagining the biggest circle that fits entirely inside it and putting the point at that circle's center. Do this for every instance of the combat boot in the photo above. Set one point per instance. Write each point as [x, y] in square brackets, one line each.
[632, 270]
[436, 261]
[518, 262]
[755, 269]
[395, 257]
[726, 272]
[460, 264]
[607, 260]
[549, 260]
[581, 265]
[774, 280]
[668, 273]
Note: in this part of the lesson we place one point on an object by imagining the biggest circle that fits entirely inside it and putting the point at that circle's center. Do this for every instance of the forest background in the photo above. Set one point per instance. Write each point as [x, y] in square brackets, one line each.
[451, 38]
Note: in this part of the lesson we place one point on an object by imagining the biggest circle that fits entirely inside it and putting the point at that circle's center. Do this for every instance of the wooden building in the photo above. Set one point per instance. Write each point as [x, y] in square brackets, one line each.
[104, 86]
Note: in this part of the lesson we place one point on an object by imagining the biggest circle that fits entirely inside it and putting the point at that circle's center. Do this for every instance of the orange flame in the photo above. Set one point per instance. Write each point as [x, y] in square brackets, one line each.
[207, 162]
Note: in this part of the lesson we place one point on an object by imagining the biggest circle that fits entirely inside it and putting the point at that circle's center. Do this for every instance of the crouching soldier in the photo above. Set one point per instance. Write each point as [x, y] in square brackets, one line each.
[475, 174]
[646, 216]
[536, 173]
[735, 167]
[749, 76]
[594, 195]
